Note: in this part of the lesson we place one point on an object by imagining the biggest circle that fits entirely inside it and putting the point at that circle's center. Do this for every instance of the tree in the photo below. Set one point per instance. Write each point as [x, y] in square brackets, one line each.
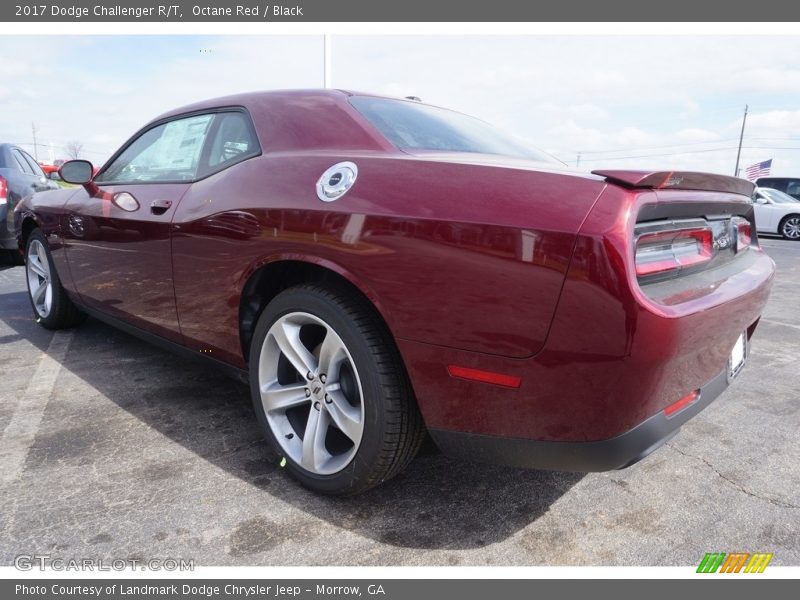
[74, 149]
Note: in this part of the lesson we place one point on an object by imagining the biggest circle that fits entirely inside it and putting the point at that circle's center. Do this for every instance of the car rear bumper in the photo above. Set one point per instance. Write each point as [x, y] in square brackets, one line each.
[604, 455]
[618, 353]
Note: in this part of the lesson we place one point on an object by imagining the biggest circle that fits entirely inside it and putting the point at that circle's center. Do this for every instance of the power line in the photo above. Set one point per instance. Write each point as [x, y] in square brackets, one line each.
[61, 146]
[658, 147]
[705, 150]
[771, 147]
[659, 155]
[721, 141]
[583, 153]
[784, 139]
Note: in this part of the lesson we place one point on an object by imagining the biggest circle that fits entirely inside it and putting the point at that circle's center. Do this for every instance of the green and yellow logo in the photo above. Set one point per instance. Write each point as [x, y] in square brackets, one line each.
[736, 562]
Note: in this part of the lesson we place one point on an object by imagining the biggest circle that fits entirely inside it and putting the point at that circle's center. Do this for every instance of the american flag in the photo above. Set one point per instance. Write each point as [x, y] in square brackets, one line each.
[757, 170]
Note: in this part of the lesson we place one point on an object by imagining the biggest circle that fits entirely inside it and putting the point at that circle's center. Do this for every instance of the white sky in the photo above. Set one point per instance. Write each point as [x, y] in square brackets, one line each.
[654, 98]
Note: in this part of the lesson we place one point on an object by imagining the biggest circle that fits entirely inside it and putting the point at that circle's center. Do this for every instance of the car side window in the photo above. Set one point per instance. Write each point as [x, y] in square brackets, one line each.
[793, 189]
[778, 185]
[232, 140]
[21, 163]
[169, 152]
[37, 170]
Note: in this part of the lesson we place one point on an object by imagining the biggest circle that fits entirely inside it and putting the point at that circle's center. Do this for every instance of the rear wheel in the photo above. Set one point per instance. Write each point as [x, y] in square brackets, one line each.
[331, 392]
[52, 308]
[790, 227]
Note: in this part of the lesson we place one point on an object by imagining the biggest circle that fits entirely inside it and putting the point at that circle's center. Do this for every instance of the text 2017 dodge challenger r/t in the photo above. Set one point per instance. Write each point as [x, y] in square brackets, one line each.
[378, 268]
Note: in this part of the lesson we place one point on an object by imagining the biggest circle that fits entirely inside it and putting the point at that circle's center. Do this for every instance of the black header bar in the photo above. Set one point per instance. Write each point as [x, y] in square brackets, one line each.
[333, 11]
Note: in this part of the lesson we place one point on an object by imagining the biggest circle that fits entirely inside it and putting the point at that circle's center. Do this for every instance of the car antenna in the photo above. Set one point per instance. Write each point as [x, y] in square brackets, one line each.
[414, 98]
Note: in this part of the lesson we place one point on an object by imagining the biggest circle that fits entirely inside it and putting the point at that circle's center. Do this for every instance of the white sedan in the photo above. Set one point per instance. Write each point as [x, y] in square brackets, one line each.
[777, 212]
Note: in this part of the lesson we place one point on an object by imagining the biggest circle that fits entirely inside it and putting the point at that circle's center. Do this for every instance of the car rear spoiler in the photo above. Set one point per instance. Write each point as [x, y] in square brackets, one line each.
[678, 180]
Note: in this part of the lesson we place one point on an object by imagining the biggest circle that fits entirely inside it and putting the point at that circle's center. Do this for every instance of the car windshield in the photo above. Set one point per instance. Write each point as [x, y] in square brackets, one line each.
[777, 196]
[410, 125]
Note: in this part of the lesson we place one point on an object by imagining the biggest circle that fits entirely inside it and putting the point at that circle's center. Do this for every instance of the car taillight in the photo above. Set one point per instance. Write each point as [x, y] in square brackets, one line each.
[3, 191]
[744, 233]
[662, 251]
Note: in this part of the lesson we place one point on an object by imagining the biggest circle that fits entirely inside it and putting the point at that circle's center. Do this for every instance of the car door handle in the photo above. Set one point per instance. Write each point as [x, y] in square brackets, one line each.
[159, 207]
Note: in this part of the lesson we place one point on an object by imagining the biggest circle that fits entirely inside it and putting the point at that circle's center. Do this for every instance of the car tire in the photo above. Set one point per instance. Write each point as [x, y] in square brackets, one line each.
[790, 227]
[367, 387]
[52, 307]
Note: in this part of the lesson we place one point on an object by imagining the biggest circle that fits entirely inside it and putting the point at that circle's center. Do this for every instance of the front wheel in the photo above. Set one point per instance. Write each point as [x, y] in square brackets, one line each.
[52, 308]
[331, 392]
[790, 227]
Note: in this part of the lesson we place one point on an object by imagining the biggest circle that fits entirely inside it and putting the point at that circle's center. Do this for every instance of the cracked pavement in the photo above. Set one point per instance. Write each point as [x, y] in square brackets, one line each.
[139, 454]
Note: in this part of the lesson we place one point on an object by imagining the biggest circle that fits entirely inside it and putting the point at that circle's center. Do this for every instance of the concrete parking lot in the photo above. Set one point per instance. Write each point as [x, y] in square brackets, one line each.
[112, 448]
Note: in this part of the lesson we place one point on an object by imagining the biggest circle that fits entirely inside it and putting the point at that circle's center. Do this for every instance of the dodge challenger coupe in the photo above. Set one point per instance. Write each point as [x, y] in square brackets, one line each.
[380, 268]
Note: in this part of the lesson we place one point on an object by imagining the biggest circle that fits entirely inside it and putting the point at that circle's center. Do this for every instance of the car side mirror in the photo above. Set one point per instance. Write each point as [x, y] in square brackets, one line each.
[761, 200]
[76, 171]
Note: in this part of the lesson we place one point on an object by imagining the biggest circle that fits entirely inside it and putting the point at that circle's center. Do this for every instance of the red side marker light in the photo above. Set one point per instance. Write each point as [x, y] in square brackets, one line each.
[682, 403]
[509, 381]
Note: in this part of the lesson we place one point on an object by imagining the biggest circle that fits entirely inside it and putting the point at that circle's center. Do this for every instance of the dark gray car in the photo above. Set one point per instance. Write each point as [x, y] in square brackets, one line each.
[20, 177]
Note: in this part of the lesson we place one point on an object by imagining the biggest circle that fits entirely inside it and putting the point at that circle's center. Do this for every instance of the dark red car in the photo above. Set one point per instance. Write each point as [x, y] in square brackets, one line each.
[51, 170]
[379, 268]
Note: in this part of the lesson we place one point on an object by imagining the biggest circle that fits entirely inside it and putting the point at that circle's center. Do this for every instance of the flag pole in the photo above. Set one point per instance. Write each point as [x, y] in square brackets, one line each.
[741, 137]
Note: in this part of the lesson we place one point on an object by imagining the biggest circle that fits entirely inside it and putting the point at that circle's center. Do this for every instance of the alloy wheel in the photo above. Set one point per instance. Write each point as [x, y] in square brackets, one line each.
[791, 228]
[311, 393]
[40, 284]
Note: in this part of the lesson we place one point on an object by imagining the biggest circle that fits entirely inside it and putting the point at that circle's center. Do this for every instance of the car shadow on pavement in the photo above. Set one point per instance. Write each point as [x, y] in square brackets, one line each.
[437, 503]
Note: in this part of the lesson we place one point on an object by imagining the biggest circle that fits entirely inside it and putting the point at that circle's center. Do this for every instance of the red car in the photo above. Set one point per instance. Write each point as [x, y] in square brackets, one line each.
[49, 170]
[380, 268]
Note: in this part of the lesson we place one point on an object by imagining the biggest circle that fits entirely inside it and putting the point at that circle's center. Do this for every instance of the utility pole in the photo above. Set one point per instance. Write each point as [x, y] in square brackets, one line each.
[578, 162]
[35, 146]
[326, 57]
[741, 137]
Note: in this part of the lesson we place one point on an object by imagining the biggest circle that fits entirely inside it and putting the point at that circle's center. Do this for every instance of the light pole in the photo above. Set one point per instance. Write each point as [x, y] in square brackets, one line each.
[35, 145]
[327, 60]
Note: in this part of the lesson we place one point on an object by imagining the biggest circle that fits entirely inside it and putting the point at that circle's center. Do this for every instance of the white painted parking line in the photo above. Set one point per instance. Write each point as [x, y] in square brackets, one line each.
[21, 430]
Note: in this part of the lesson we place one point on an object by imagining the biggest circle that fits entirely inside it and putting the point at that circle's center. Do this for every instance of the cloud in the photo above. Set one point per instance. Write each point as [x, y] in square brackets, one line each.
[100, 139]
[101, 89]
[619, 95]
[775, 122]
[584, 111]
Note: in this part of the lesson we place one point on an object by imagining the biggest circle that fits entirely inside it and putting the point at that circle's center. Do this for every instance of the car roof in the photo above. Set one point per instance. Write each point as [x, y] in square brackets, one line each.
[250, 99]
